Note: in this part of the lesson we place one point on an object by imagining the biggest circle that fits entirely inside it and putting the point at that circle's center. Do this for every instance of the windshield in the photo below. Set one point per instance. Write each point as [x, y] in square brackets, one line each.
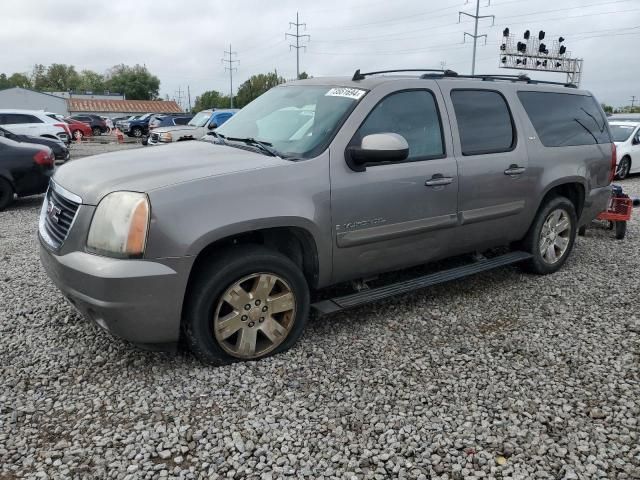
[297, 120]
[621, 133]
[200, 119]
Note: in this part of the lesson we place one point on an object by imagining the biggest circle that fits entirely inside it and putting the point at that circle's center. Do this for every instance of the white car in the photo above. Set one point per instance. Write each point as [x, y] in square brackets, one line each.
[35, 123]
[626, 135]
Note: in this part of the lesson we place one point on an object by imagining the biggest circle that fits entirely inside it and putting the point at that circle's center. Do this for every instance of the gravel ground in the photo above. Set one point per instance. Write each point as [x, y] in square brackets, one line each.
[85, 149]
[503, 375]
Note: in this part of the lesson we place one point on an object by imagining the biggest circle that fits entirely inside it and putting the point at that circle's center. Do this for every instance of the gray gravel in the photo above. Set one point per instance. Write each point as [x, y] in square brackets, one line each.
[504, 375]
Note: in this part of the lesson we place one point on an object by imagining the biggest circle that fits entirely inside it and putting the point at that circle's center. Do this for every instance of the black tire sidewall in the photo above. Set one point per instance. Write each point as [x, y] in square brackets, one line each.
[213, 279]
[531, 243]
[6, 193]
[621, 230]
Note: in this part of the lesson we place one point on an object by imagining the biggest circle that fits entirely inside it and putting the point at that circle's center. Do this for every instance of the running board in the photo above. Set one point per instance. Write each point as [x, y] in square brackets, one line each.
[367, 296]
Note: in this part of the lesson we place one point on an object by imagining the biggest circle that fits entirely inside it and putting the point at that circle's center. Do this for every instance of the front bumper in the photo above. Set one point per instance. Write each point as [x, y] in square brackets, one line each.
[137, 300]
[595, 203]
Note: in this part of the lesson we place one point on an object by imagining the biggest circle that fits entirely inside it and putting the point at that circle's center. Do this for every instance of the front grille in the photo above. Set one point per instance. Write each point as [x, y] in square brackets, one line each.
[155, 137]
[58, 213]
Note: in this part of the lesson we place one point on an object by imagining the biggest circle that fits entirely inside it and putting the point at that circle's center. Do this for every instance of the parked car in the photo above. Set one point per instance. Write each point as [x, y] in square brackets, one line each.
[96, 122]
[168, 120]
[25, 169]
[626, 134]
[117, 121]
[320, 182]
[196, 128]
[34, 123]
[138, 127]
[79, 130]
[59, 149]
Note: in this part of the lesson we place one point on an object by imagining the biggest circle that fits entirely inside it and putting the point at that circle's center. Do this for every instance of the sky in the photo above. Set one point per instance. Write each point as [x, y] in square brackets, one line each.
[183, 41]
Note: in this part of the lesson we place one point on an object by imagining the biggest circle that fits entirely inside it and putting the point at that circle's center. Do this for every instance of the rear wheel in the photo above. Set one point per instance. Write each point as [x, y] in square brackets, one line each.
[78, 135]
[249, 303]
[624, 167]
[137, 132]
[551, 237]
[6, 193]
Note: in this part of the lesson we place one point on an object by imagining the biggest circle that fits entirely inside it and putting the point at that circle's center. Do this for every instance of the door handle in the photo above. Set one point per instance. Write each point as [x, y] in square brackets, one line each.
[514, 170]
[438, 180]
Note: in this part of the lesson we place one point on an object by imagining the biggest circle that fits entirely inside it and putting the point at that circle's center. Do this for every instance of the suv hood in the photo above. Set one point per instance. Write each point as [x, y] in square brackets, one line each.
[174, 128]
[146, 169]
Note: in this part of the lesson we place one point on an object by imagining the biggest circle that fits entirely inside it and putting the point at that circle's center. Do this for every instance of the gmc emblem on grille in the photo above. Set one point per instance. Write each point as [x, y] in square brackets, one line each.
[53, 212]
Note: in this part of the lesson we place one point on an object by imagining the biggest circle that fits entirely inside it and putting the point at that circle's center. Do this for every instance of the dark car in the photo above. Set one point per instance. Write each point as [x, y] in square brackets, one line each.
[59, 149]
[139, 126]
[96, 122]
[170, 121]
[25, 169]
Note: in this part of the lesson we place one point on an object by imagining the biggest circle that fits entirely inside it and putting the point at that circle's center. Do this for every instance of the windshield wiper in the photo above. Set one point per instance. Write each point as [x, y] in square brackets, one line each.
[265, 147]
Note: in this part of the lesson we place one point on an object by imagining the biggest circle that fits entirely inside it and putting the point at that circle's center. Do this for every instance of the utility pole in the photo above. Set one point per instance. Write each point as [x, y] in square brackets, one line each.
[633, 100]
[298, 37]
[189, 96]
[228, 65]
[475, 35]
[179, 96]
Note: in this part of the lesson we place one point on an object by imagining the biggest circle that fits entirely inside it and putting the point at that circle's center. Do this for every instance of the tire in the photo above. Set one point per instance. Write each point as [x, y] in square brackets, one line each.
[533, 243]
[96, 131]
[6, 193]
[137, 132]
[621, 230]
[624, 167]
[77, 134]
[243, 268]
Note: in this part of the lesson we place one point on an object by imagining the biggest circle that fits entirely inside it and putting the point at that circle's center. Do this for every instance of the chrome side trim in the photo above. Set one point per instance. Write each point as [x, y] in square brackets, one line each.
[395, 230]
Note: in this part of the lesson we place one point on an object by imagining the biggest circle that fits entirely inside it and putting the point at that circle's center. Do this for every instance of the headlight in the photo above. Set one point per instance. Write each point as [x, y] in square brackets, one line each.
[166, 137]
[119, 225]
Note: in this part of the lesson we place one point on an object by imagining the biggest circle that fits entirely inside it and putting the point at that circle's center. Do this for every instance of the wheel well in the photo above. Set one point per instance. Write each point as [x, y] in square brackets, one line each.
[628, 157]
[295, 243]
[573, 191]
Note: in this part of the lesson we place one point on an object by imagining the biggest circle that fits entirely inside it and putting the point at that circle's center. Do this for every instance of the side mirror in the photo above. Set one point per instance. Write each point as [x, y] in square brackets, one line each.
[377, 148]
[212, 126]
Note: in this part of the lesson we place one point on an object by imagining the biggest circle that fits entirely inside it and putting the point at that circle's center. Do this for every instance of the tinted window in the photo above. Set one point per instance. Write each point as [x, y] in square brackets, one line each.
[181, 120]
[563, 119]
[484, 121]
[412, 114]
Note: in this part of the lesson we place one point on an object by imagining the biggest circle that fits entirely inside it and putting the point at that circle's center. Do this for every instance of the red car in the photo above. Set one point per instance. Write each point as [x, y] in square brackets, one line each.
[78, 129]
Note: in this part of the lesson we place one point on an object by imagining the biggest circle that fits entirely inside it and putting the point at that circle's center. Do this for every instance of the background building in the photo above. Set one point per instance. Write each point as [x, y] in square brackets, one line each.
[23, 98]
[121, 108]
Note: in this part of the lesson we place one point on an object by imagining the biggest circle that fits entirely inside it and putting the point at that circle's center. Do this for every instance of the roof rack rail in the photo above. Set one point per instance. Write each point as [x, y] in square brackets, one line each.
[361, 76]
[517, 78]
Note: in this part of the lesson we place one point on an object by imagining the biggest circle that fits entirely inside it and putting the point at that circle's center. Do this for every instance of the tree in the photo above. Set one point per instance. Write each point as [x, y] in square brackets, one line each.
[62, 78]
[4, 81]
[136, 83]
[19, 80]
[210, 99]
[607, 108]
[90, 81]
[256, 86]
[304, 76]
[39, 79]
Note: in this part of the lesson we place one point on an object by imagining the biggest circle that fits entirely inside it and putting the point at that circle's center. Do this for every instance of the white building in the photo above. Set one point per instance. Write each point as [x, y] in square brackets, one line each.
[25, 99]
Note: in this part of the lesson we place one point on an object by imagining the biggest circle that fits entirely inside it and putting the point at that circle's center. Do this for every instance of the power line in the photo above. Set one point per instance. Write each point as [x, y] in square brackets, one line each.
[633, 100]
[228, 65]
[475, 35]
[179, 96]
[298, 37]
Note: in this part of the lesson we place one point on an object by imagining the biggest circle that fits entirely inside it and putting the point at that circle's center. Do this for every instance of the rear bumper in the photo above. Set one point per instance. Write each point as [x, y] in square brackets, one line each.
[595, 203]
[136, 300]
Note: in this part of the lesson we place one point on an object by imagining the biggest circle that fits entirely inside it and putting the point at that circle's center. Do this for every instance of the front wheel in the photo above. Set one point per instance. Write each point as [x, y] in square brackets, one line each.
[137, 132]
[249, 303]
[624, 167]
[96, 131]
[551, 237]
[77, 134]
[6, 193]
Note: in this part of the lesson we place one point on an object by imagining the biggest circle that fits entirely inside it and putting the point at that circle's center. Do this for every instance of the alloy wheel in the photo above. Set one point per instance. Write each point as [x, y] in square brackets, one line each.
[555, 236]
[254, 315]
[623, 169]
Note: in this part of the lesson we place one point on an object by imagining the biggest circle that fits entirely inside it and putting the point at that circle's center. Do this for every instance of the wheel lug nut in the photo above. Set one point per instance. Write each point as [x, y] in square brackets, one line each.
[261, 319]
[265, 308]
[244, 318]
[257, 303]
[247, 306]
[251, 324]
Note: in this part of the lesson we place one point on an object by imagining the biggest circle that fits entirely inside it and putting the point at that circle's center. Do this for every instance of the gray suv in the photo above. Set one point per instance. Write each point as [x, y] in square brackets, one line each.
[320, 182]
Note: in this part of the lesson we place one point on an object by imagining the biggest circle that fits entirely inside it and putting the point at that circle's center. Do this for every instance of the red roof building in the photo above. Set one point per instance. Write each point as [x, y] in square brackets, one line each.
[116, 108]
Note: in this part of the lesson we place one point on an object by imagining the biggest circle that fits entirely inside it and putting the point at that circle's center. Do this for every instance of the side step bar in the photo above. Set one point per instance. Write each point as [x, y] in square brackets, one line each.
[367, 296]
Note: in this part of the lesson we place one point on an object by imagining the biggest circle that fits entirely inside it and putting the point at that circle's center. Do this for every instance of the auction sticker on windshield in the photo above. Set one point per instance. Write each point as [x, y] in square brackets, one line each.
[354, 93]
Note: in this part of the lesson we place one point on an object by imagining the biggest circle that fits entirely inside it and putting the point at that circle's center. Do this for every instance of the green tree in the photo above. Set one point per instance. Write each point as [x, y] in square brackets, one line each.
[210, 99]
[62, 78]
[19, 80]
[39, 79]
[256, 86]
[91, 81]
[4, 81]
[136, 83]
[607, 108]
[304, 76]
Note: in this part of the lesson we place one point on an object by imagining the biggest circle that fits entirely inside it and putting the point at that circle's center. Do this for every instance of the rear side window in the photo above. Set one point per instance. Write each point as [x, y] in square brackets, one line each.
[412, 114]
[563, 119]
[181, 120]
[484, 122]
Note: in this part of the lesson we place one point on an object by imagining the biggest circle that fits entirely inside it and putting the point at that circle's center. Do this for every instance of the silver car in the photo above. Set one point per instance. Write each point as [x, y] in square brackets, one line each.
[317, 182]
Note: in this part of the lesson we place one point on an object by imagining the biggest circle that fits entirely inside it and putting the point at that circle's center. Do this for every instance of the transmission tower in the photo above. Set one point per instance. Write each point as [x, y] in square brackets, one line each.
[228, 62]
[298, 37]
[475, 35]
